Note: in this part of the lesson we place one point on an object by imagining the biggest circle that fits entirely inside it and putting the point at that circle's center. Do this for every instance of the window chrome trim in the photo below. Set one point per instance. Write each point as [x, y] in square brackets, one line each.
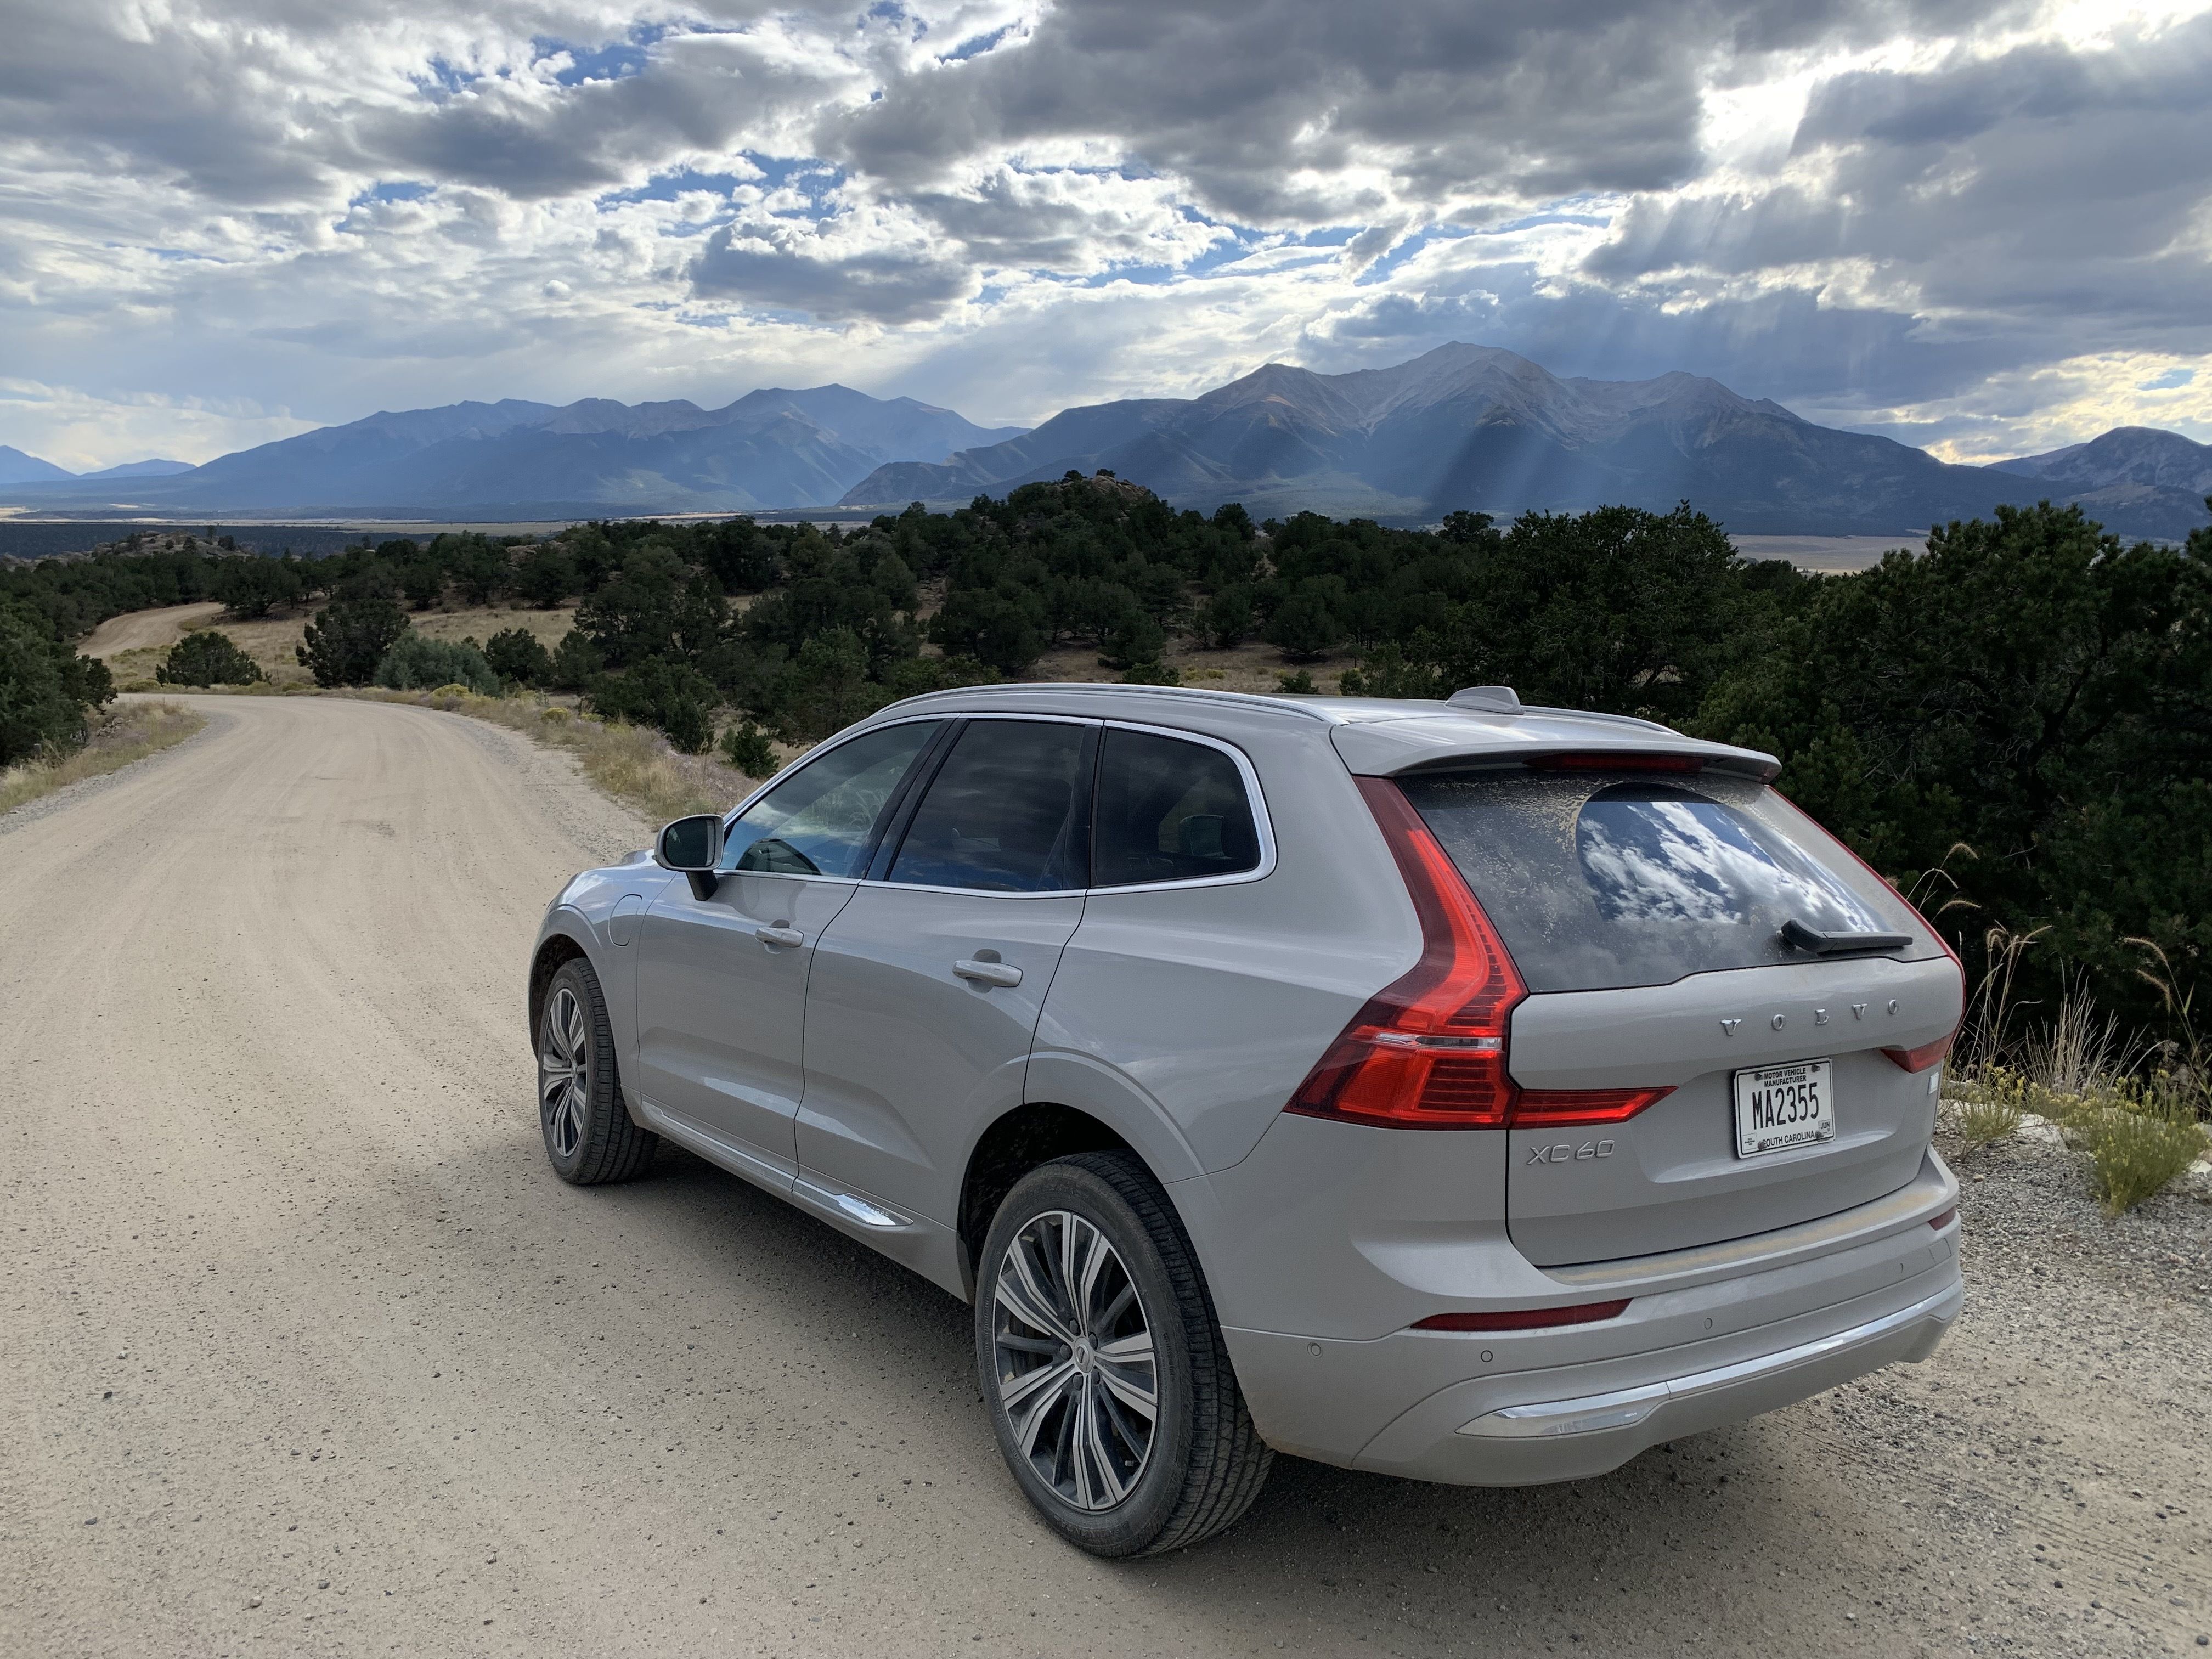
[803, 762]
[1263, 828]
[997, 892]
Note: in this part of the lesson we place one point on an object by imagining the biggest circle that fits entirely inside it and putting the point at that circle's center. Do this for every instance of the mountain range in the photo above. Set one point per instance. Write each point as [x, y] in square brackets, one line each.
[2131, 472]
[1463, 426]
[17, 468]
[595, 458]
[1466, 426]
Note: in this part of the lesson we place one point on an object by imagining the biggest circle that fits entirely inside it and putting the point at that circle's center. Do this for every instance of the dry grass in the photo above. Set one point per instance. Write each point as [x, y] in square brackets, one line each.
[2141, 1134]
[274, 641]
[2137, 1109]
[129, 733]
[1990, 1109]
[633, 763]
[2140, 1140]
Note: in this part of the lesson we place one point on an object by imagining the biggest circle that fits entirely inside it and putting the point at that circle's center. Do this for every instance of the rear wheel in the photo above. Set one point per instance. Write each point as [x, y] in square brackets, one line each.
[1103, 1364]
[589, 1133]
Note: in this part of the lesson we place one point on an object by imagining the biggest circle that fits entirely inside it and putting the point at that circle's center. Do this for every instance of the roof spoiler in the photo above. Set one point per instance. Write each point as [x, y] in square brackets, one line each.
[1486, 700]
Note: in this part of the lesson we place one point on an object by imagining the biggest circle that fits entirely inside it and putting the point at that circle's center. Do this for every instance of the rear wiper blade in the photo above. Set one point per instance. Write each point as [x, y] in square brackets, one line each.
[1796, 935]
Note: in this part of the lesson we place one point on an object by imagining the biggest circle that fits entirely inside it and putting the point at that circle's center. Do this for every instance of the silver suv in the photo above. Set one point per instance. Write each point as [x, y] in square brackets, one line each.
[1461, 1091]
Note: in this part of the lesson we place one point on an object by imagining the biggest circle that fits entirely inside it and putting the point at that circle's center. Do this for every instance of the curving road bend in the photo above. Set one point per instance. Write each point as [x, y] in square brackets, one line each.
[306, 1351]
[140, 630]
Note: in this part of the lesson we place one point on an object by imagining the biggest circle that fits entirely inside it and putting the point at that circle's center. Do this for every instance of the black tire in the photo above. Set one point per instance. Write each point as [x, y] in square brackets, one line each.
[589, 1134]
[1204, 1462]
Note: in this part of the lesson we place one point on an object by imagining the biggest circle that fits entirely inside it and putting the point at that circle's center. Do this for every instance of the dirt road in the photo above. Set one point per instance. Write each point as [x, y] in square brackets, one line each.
[305, 1351]
[147, 630]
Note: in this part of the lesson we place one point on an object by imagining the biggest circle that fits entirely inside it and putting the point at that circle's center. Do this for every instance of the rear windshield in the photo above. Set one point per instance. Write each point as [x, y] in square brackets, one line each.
[1598, 880]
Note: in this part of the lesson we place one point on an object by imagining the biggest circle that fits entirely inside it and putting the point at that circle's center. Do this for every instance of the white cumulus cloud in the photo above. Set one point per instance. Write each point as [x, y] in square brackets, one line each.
[1981, 224]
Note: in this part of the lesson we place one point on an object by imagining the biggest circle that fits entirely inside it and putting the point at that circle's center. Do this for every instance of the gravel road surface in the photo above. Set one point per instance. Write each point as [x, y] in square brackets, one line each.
[307, 1352]
[142, 630]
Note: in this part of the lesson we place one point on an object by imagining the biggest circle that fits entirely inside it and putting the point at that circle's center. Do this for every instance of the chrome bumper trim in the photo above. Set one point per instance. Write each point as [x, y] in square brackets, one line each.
[1914, 1202]
[1626, 1406]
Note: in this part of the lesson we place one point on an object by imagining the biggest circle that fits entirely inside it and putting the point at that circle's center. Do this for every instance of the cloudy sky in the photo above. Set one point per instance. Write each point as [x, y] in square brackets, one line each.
[1981, 225]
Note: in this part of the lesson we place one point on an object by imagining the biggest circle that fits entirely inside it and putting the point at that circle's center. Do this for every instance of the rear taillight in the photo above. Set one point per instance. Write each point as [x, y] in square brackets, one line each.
[1428, 1051]
[1945, 1219]
[1525, 1319]
[1920, 1059]
[1550, 1109]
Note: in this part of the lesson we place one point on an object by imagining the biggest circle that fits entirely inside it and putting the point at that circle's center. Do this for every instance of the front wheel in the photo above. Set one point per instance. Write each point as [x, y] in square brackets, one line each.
[590, 1136]
[1109, 1386]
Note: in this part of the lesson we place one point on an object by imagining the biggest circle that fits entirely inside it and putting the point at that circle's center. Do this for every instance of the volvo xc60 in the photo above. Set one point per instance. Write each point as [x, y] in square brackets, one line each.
[1457, 1090]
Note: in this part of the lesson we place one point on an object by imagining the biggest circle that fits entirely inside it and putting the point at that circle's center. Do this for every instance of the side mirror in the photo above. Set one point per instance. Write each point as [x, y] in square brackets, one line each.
[693, 847]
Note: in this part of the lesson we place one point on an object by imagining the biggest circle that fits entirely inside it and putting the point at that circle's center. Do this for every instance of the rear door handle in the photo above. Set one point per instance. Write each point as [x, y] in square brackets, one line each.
[989, 972]
[779, 935]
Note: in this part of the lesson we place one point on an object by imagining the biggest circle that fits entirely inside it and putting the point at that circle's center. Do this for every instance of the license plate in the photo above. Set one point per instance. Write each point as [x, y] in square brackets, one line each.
[1778, 1107]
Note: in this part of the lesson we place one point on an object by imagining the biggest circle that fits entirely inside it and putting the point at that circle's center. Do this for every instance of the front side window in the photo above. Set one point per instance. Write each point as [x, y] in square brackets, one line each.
[1599, 880]
[1007, 812]
[823, 820]
[1169, 811]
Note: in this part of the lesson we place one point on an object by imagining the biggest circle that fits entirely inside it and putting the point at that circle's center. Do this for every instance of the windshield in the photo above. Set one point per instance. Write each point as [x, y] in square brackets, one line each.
[1597, 880]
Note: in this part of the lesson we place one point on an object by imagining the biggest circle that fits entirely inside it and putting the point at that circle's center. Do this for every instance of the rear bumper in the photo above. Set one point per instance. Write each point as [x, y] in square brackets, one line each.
[1570, 1437]
[1524, 1408]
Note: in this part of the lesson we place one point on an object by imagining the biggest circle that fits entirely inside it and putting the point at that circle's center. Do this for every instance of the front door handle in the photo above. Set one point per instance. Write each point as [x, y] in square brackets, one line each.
[779, 935]
[989, 972]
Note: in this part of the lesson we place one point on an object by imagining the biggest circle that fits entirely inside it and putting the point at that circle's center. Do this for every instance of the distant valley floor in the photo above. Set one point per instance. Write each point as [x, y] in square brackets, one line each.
[38, 538]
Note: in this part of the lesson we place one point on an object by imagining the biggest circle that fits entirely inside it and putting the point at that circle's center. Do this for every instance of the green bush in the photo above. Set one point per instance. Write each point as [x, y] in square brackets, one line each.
[2140, 1137]
[1618, 609]
[250, 587]
[576, 663]
[415, 663]
[1386, 672]
[676, 700]
[1991, 1104]
[516, 655]
[746, 747]
[829, 687]
[547, 575]
[206, 659]
[2136, 1155]
[1228, 616]
[45, 697]
[1304, 626]
[916, 676]
[349, 636]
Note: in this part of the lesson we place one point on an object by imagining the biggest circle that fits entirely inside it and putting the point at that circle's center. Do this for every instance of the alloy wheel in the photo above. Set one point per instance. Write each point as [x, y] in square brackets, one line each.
[1075, 1363]
[564, 1072]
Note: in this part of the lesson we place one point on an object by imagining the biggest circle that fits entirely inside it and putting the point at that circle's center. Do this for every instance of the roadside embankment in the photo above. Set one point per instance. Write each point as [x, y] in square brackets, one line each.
[127, 731]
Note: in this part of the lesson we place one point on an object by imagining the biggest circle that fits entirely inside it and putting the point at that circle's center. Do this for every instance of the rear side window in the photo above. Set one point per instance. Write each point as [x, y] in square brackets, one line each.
[822, 820]
[1599, 880]
[1008, 812]
[1169, 811]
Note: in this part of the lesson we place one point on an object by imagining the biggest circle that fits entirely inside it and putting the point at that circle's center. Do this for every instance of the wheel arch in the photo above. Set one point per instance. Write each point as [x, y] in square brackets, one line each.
[1034, 1133]
[555, 948]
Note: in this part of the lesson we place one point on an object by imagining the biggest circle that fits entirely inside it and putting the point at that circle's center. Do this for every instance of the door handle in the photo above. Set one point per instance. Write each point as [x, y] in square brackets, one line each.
[779, 935]
[989, 972]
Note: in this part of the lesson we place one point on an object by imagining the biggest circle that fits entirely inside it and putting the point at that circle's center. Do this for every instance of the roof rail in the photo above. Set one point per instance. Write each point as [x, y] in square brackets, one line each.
[1294, 709]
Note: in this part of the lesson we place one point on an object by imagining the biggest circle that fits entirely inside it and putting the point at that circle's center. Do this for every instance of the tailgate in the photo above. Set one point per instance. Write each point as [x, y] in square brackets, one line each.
[1675, 1175]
